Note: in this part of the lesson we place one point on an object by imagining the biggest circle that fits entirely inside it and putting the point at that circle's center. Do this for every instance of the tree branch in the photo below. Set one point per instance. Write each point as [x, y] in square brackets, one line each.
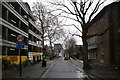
[58, 4]
[75, 34]
[88, 7]
[98, 34]
[95, 9]
[78, 11]
[69, 18]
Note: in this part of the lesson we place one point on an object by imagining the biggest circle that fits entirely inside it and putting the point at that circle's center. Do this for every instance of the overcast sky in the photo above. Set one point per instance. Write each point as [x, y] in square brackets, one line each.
[72, 29]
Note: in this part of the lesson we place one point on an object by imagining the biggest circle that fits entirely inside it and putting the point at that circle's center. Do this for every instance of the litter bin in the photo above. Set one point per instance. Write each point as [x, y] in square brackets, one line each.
[44, 63]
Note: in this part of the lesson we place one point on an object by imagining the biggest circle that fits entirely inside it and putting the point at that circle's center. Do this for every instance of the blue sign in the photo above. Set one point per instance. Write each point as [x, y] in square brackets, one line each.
[19, 44]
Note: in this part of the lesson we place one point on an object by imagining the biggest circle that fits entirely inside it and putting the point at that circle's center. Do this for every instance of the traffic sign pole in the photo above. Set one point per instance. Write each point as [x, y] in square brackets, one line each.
[19, 45]
[20, 64]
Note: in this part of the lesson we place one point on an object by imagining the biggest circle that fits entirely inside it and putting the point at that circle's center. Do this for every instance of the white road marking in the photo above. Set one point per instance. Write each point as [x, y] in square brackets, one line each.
[46, 72]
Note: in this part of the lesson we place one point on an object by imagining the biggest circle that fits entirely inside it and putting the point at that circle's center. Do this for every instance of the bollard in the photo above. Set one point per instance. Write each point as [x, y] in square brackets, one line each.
[44, 63]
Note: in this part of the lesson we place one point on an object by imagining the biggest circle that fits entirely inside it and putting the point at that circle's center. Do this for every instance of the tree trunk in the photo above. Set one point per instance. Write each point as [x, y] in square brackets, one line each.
[42, 36]
[51, 53]
[85, 52]
[43, 44]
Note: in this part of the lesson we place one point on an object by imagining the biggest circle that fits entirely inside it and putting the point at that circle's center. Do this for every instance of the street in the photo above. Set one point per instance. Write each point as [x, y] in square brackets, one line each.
[65, 70]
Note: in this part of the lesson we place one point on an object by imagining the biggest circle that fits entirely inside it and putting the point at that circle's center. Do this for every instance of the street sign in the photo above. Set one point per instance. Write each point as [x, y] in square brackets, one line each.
[20, 38]
[19, 44]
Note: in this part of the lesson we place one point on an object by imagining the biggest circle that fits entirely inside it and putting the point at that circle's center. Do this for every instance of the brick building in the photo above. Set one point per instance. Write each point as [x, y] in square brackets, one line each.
[105, 50]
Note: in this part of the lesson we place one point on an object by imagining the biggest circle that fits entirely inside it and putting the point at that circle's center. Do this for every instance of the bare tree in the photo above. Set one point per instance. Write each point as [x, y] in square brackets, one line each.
[54, 31]
[84, 11]
[41, 14]
[48, 24]
[70, 46]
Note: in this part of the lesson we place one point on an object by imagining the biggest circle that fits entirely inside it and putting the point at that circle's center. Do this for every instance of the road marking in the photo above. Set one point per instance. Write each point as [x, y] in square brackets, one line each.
[44, 74]
[76, 66]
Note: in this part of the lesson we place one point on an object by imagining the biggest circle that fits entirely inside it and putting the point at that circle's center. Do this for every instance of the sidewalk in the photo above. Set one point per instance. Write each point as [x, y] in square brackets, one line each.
[99, 73]
[104, 73]
[33, 71]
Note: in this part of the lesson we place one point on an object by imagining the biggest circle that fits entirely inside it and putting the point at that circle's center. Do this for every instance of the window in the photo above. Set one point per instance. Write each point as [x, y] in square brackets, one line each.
[4, 52]
[92, 40]
[23, 52]
[30, 48]
[12, 51]
[12, 35]
[92, 54]
[4, 13]
[4, 32]
[102, 51]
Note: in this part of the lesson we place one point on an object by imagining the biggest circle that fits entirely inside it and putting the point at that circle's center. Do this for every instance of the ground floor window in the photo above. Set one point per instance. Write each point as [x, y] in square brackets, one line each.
[92, 54]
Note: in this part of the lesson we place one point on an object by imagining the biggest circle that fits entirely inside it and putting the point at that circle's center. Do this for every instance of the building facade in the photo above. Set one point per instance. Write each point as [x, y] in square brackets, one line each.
[104, 50]
[17, 19]
[58, 50]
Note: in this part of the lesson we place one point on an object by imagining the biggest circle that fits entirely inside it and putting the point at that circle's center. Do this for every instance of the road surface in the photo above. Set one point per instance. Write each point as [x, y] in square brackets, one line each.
[65, 70]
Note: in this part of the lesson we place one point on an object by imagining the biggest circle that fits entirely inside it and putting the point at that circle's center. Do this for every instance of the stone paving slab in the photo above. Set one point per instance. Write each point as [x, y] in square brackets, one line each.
[33, 71]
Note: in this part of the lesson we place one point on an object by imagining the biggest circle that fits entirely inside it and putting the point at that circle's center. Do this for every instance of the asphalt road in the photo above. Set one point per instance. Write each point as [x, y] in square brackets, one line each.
[65, 70]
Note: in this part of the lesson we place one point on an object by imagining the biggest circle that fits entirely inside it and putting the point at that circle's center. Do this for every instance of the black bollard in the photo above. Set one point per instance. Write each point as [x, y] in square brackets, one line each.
[44, 63]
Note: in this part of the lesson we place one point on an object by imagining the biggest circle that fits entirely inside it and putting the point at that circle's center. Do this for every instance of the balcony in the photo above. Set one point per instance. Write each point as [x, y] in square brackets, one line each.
[31, 15]
[34, 24]
[12, 27]
[22, 5]
[8, 43]
[15, 12]
[32, 43]
[11, 44]
[92, 46]
[32, 33]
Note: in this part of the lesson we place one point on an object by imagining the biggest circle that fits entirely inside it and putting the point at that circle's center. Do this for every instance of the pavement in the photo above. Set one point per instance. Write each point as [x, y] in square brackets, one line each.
[33, 71]
[99, 73]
